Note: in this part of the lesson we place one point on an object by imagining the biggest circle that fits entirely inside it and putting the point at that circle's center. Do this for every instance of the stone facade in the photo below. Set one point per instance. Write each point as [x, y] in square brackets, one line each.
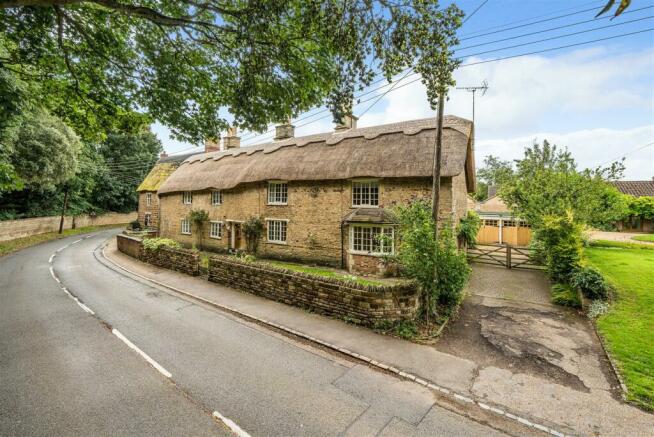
[148, 208]
[357, 303]
[314, 214]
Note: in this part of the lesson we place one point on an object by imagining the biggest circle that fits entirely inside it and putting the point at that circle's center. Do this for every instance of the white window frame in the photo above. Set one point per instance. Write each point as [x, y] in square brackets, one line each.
[148, 199]
[272, 200]
[370, 183]
[147, 219]
[187, 197]
[372, 251]
[220, 229]
[219, 194]
[269, 222]
[186, 223]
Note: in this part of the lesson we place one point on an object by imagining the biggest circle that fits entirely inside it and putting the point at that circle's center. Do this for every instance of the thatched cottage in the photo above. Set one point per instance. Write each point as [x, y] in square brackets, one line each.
[148, 210]
[324, 198]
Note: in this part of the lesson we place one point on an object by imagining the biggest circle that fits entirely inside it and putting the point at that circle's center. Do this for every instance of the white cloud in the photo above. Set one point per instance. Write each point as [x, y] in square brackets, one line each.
[590, 148]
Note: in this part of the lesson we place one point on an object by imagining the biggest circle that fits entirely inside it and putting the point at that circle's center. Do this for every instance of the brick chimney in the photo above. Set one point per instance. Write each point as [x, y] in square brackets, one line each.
[163, 155]
[231, 141]
[284, 130]
[212, 145]
[347, 122]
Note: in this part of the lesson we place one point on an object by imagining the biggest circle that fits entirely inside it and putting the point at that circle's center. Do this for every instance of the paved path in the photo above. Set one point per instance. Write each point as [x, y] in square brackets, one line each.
[570, 394]
[617, 236]
[64, 371]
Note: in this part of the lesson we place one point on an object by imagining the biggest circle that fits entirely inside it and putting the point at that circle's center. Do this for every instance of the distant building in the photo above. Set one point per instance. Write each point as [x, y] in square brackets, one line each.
[499, 225]
[148, 210]
[636, 189]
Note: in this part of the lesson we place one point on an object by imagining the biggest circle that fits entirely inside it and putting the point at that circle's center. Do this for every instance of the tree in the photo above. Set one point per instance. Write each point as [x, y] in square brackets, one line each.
[198, 217]
[547, 182]
[43, 150]
[493, 173]
[182, 61]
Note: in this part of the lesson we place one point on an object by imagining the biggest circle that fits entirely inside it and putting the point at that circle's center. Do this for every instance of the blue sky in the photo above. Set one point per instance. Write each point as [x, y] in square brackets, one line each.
[596, 99]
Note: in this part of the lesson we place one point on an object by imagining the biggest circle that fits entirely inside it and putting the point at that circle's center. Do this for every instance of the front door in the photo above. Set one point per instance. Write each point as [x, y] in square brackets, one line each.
[235, 236]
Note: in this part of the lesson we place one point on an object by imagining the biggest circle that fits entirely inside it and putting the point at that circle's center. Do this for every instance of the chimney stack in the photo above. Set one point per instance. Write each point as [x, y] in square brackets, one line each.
[284, 130]
[212, 145]
[231, 141]
[163, 155]
[347, 122]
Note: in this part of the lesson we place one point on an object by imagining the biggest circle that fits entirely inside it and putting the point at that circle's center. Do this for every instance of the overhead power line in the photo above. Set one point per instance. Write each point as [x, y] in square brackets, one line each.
[505, 58]
[251, 135]
[637, 149]
[474, 12]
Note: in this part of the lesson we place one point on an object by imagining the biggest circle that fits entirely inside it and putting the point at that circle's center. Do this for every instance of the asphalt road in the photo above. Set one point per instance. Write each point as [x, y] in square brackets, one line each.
[64, 370]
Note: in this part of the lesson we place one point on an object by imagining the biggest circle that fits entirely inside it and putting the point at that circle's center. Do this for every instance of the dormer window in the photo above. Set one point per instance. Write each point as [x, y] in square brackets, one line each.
[277, 193]
[365, 193]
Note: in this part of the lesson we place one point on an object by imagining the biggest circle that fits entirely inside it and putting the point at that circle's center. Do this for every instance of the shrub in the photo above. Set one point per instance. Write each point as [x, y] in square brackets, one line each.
[406, 329]
[560, 237]
[597, 308]
[198, 217]
[565, 295]
[468, 228]
[252, 230]
[156, 243]
[135, 225]
[591, 282]
[421, 257]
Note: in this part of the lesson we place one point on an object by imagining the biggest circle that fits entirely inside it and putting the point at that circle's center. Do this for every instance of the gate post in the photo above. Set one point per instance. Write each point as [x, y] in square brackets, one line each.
[508, 256]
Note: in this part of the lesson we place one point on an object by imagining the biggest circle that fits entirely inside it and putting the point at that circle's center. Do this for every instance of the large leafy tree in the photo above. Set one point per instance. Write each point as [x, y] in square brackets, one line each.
[493, 173]
[182, 61]
[547, 182]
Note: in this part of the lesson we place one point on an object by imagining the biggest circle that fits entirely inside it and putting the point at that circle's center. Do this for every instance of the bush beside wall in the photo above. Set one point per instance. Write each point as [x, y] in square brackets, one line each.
[181, 260]
[357, 303]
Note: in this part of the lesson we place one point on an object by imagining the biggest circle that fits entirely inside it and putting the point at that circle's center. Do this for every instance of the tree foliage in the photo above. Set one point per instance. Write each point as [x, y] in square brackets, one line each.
[253, 230]
[42, 150]
[624, 4]
[561, 244]
[547, 182]
[642, 207]
[186, 61]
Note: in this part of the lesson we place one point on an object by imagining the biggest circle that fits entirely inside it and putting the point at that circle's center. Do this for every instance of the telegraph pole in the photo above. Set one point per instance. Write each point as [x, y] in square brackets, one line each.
[473, 89]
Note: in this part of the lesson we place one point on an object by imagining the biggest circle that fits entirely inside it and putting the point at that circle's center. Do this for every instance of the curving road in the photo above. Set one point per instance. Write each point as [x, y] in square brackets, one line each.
[85, 350]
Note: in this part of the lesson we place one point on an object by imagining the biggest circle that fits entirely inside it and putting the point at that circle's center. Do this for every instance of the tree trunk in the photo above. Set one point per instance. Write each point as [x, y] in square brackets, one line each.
[436, 192]
[63, 210]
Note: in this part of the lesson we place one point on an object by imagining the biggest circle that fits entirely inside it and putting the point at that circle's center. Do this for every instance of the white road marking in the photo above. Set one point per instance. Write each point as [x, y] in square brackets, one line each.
[147, 358]
[51, 258]
[77, 241]
[231, 425]
[85, 308]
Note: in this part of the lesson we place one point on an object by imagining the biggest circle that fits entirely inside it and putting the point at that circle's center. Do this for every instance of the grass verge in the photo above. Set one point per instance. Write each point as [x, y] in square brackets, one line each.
[628, 327]
[646, 237]
[10, 246]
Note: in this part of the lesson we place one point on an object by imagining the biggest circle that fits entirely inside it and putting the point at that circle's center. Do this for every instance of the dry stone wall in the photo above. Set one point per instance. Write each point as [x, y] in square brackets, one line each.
[358, 303]
[181, 260]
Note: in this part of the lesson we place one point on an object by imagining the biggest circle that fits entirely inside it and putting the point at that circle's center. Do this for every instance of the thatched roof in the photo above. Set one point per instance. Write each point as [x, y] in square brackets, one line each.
[402, 149]
[161, 171]
[636, 188]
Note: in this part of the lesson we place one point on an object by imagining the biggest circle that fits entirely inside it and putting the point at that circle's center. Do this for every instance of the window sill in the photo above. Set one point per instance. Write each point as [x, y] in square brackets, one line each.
[185, 233]
[215, 238]
[281, 243]
[371, 254]
[365, 206]
[277, 204]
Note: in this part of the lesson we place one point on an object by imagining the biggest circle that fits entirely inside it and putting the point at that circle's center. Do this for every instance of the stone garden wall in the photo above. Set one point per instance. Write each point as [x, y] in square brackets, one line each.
[358, 303]
[181, 260]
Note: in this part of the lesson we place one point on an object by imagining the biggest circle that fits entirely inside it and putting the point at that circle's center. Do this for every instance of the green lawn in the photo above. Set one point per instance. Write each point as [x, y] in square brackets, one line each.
[628, 328]
[646, 237]
[9, 246]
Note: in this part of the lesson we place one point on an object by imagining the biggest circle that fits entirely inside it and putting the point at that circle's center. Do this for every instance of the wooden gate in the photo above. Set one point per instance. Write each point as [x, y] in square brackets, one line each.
[503, 255]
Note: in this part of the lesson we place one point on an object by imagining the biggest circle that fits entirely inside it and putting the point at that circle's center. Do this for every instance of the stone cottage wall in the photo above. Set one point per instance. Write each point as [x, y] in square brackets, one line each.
[152, 209]
[314, 213]
[358, 303]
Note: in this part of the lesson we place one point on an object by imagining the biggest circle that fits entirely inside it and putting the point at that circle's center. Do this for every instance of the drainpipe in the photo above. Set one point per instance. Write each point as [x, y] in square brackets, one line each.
[342, 246]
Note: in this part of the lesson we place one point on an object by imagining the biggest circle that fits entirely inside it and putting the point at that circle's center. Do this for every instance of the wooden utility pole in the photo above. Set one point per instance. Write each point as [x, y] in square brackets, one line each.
[63, 210]
[436, 191]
